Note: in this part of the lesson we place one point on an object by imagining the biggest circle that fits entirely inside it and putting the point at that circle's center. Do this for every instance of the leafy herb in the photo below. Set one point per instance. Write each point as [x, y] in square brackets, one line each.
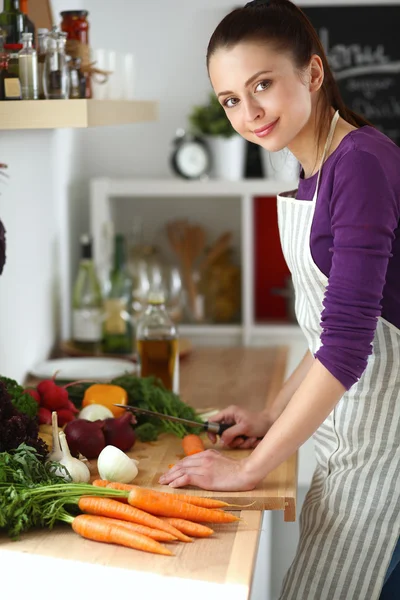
[24, 466]
[17, 428]
[146, 432]
[33, 495]
[20, 399]
[149, 393]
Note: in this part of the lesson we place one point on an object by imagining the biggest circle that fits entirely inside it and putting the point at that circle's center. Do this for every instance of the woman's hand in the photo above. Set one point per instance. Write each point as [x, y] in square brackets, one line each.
[252, 425]
[210, 470]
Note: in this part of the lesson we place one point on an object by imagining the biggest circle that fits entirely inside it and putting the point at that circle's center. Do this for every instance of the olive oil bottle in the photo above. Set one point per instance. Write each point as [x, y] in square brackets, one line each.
[158, 343]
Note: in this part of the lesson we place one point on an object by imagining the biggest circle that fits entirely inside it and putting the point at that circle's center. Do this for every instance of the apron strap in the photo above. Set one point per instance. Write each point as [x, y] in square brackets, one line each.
[327, 146]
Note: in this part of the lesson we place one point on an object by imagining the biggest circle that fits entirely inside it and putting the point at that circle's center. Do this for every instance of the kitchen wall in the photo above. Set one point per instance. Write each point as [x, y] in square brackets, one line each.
[36, 210]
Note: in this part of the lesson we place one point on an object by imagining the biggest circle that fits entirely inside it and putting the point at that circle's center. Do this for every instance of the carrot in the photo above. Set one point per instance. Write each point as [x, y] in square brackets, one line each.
[188, 527]
[171, 506]
[196, 500]
[155, 534]
[95, 528]
[106, 507]
[192, 444]
[100, 483]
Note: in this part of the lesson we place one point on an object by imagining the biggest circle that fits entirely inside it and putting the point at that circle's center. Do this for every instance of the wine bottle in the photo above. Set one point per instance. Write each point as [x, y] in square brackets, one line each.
[87, 303]
[158, 343]
[118, 331]
[12, 21]
[29, 27]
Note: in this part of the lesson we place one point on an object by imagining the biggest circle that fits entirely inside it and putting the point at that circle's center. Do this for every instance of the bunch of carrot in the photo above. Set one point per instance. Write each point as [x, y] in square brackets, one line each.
[144, 518]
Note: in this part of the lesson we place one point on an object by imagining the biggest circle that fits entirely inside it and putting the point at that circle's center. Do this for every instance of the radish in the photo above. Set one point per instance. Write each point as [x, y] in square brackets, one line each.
[65, 416]
[44, 416]
[34, 393]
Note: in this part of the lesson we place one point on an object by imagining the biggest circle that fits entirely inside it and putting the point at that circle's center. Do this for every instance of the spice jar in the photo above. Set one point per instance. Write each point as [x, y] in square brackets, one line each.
[75, 24]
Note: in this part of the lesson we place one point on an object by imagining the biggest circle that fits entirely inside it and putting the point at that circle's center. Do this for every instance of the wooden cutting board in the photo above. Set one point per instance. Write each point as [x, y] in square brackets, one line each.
[276, 492]
[216, 378]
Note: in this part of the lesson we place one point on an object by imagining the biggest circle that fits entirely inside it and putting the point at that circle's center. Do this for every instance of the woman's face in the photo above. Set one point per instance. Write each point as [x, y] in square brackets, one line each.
[265, 97]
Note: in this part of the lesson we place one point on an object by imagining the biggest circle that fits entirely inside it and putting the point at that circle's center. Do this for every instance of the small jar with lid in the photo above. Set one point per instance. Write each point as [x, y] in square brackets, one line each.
[13, 57]
[76, 25]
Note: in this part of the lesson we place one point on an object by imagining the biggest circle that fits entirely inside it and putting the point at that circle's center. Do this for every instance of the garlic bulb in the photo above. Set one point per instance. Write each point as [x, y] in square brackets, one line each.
[56, 452]
[95, 412]
[115, 465]
[76, 468]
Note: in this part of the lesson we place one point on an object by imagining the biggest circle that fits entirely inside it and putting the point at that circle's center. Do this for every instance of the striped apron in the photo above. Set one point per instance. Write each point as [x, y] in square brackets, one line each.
[350, 520]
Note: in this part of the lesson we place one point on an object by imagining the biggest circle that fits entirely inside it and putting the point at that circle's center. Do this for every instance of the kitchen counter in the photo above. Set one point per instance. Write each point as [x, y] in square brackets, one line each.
[210, 378]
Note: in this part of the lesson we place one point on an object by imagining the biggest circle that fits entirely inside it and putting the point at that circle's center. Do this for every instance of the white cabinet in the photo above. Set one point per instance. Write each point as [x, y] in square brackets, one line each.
[217, 204]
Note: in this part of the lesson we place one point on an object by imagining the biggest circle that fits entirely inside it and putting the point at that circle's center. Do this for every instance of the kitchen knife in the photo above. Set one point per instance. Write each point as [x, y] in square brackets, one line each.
[217, 428]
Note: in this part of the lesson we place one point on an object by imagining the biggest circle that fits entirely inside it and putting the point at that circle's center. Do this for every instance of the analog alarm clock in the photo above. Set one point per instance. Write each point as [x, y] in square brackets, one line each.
[191, 157]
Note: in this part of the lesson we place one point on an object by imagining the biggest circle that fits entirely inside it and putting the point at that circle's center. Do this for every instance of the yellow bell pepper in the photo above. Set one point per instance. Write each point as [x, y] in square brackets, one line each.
[106, 395]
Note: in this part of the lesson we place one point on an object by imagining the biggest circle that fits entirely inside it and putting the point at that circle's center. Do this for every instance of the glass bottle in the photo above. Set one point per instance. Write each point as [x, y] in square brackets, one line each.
[42, 34]
[158, 343]
[29, 27]
[87, 303]
[118, 336]
[12, 21]
[28, 69]
[55, 74]
[10, 87]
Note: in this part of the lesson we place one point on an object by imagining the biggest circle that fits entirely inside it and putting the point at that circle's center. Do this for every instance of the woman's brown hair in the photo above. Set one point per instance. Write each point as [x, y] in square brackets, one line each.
[284, 25]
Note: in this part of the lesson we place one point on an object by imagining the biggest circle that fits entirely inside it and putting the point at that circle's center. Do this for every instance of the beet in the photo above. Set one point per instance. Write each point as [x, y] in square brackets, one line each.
[85, 437]
[119, 432]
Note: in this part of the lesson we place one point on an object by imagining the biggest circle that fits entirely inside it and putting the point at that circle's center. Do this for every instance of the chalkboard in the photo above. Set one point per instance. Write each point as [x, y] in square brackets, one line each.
[362, 44]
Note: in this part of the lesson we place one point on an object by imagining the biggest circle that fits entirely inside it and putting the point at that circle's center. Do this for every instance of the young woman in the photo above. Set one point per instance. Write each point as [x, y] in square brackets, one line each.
[340, 237]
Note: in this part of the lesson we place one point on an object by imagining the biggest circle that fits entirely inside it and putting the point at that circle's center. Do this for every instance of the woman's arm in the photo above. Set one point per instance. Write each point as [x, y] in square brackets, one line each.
[278, 403]
[308, 408]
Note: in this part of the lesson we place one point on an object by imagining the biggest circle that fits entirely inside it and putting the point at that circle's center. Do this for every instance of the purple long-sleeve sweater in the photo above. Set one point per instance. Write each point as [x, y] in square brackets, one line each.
[355, 242]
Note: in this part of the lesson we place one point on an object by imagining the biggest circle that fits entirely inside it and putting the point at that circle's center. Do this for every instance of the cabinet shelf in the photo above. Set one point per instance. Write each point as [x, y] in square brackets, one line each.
[117, 200]
[175, 187]
[53, 114]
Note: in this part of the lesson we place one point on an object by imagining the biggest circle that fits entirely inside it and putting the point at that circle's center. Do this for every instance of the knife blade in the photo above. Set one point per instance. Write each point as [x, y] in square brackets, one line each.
[217, 428]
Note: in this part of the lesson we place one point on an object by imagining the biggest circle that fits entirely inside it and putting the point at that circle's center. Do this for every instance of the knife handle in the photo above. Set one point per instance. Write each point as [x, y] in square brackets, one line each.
[218, 428]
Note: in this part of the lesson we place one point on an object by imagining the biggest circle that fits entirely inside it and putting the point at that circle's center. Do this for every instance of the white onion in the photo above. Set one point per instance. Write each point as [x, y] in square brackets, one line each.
[115, 465]
[95, 412]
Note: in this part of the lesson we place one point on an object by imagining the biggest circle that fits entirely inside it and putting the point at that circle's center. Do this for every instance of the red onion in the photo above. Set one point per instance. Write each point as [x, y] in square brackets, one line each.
[119, 432]
[86, 437]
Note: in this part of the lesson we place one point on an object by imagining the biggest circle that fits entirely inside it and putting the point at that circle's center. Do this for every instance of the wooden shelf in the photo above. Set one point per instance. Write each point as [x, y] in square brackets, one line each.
[53, 114]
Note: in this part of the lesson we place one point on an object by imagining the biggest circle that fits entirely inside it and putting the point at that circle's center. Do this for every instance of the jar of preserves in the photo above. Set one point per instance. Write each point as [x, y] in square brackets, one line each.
[76, 25]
